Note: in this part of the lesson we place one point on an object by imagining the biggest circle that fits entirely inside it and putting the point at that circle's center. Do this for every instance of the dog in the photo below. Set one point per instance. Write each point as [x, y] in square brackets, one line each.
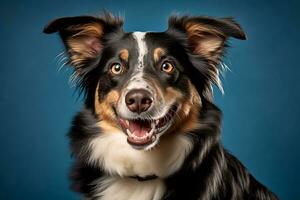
[149, 129]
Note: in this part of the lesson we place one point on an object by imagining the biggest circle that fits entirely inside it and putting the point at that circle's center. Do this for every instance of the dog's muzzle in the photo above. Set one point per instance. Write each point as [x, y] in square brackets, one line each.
[143, 128]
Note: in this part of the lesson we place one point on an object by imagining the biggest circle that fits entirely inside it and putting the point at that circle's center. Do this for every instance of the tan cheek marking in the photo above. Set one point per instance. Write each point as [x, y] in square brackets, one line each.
[191, 109]
[172, 94]
[108, 127]
[104, 109]
[188, 115]
[158, 53]
[124, 55]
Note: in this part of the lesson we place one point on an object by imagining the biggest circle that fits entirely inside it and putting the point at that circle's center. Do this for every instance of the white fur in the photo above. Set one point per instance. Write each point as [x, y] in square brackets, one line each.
[142, 46]
[137, 80]
[112, 152]
[116, 188]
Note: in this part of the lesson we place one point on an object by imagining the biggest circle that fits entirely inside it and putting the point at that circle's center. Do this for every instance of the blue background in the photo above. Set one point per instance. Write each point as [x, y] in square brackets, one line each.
[260, 105]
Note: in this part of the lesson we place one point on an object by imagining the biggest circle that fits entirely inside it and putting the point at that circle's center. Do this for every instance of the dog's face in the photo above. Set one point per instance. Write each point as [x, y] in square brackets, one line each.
[147, 89]
[147, 84]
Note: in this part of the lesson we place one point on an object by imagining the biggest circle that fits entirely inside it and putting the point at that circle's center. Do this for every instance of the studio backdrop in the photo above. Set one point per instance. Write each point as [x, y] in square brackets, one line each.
[37, 102]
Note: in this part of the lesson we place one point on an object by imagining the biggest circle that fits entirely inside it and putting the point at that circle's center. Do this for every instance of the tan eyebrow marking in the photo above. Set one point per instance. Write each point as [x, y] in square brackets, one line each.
[124, 54]
[158, 53]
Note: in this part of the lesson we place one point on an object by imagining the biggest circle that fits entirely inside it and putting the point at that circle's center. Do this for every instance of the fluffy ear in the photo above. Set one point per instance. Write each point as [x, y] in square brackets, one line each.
[207, 36]
[83, 36]
[206, 39]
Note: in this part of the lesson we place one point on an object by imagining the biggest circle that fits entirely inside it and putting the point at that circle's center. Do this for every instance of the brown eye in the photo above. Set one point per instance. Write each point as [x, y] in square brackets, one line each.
[116, 68]
[167, 67]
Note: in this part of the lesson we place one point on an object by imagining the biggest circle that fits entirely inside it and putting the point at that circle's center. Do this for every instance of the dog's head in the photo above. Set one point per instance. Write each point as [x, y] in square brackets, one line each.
[147, 84]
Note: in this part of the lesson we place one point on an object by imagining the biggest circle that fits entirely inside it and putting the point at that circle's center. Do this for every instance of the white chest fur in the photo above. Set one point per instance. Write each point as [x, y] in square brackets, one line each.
[112, 152]
[116, 188]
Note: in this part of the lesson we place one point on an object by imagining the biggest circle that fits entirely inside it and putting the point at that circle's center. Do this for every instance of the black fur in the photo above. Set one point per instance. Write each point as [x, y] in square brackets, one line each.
[234, 181]
[217, 166]
[209, 171]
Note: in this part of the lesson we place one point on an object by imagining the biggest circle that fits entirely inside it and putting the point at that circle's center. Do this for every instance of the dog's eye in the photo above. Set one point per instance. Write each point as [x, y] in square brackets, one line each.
[116, 68]
[167, 67]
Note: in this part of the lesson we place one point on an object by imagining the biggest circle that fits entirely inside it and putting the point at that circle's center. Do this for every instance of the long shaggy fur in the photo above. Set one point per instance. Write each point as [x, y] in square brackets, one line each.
[191, 163]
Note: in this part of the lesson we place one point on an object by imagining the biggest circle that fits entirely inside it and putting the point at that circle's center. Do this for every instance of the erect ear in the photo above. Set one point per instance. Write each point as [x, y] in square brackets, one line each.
[206, 39]
[83, 36]
[207, 36]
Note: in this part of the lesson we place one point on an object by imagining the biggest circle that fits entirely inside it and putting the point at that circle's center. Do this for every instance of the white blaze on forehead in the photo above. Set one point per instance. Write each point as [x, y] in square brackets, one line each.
[137, 80]
[142, 48]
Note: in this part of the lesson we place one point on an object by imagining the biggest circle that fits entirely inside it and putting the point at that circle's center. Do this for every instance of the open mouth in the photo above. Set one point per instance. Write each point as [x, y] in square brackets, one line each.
[143, 132]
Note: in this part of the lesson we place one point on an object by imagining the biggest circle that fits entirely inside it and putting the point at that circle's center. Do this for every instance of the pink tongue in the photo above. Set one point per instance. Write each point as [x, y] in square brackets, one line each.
[139, 128]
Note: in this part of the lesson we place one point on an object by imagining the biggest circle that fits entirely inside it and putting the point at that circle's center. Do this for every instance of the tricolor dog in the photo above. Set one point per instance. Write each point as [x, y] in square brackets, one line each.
[149, 129]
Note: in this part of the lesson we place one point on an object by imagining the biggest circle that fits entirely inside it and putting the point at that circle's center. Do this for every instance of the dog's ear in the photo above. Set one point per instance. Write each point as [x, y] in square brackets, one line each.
[207, 36]
[83, 36]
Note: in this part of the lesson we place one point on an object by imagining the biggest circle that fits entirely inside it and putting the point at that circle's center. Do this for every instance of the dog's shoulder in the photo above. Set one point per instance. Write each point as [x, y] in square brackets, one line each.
[244, 183]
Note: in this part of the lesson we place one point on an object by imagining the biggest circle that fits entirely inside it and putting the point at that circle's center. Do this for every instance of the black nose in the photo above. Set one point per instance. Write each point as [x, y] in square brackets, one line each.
[138, 100]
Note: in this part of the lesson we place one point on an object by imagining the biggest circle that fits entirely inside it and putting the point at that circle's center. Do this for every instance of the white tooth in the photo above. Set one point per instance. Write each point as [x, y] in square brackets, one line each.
[128, 132]
[152, 130]
[157, 121]
[153, 125]
[153, 137]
